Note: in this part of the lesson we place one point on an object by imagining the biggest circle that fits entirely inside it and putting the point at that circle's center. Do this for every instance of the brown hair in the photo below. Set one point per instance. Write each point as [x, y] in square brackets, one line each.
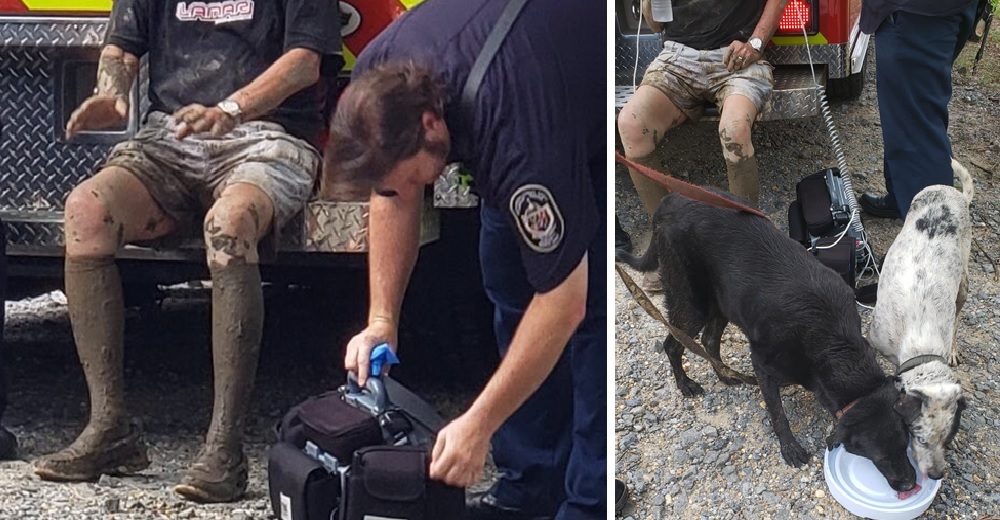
[378, 121]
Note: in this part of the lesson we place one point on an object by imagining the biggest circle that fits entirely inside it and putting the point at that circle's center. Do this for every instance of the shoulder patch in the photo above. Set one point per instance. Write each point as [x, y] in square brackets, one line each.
[538, 217]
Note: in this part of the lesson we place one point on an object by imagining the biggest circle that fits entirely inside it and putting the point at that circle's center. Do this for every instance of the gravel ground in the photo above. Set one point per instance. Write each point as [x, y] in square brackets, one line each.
[168, 379]
[716, 456]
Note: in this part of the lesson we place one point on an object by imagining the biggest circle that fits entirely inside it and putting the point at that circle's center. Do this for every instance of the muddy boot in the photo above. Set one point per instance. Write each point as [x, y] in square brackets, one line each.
[217, 475]
[650, 192]
[220, 472]
[118, 451]
[110, 443]
[651, 282]
[744, 180]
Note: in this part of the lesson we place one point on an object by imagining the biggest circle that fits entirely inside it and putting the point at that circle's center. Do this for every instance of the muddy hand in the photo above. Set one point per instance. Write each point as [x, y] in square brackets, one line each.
[198, 119]
[97, 113]
[739, 55]
[460, 452]
[357, 359]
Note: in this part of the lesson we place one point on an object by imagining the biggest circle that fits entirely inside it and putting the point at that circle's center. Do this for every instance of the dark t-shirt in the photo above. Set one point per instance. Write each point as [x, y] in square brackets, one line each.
[538, 141]
[712, 24]
[203, 52]
[874, 12]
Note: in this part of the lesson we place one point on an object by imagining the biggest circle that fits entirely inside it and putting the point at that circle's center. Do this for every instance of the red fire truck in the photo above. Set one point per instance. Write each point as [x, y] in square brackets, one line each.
[830, 27]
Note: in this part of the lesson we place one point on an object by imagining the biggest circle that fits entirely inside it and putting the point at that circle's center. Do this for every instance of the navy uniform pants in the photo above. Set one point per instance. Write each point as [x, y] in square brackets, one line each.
[914, 56]
[552, 451]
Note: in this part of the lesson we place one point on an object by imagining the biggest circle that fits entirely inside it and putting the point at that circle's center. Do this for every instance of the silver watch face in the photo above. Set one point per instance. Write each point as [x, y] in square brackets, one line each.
[230, 107]
[756, 43]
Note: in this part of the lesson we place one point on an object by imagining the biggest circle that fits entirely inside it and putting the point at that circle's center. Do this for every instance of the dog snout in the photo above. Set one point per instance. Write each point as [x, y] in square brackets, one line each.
[904, 484]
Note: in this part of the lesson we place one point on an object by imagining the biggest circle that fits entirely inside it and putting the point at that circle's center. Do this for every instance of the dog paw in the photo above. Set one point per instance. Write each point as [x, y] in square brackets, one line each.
[953, 358]
[690, 389]
[794, 454]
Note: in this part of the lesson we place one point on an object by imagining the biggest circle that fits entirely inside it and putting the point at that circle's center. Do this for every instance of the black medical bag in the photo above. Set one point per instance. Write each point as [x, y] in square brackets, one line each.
[354, 453]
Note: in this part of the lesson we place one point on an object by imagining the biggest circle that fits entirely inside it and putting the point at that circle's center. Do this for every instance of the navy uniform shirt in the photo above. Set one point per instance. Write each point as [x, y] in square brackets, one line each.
[874, 12]
[203, 52]
[538, 140]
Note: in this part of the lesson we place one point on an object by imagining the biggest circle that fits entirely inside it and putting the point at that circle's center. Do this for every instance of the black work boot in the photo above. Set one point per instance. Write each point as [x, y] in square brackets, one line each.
[880, 206]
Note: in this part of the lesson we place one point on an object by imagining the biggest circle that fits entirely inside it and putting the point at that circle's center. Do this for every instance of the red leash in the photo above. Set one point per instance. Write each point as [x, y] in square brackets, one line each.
[686, 189]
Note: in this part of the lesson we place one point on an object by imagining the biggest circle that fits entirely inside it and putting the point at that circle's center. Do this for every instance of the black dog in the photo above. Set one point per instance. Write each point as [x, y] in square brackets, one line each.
[720, 266]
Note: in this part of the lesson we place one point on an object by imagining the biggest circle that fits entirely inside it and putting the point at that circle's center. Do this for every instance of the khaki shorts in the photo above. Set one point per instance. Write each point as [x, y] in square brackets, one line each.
[690, 78]
[185, 177]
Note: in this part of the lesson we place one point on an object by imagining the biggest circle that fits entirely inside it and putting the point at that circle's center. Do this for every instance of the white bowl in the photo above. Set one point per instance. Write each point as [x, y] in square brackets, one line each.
[856, 483]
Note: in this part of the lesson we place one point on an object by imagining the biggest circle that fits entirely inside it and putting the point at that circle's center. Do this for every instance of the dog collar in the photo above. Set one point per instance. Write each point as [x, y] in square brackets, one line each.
[914, 362]
[840, 413]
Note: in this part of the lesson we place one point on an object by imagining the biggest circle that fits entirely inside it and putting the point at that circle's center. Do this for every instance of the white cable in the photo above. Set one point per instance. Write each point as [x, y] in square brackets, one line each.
[635, 69]
[838, 150]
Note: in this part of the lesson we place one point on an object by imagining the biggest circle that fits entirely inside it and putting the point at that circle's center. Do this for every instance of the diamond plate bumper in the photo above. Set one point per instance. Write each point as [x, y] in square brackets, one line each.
[453, 190]
[33, 32]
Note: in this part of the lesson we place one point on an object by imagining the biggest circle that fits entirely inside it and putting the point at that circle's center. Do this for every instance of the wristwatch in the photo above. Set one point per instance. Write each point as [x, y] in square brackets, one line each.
[232, 108]
[757, 44]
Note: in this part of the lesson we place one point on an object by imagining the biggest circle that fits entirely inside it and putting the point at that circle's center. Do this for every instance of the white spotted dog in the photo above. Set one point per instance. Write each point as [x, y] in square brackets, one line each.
[921, 290]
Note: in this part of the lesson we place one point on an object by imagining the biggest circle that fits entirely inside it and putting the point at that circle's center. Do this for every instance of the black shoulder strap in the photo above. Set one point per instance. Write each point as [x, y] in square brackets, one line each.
[490, 48]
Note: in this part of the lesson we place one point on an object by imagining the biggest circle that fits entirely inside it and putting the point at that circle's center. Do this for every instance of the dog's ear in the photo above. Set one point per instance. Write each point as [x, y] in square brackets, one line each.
[908, 406]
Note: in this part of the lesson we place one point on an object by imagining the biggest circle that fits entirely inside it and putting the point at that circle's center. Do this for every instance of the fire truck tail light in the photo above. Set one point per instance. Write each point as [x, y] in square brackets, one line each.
[798, 14]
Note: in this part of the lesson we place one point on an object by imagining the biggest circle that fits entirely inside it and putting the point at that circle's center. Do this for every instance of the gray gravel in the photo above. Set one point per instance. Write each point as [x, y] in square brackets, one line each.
[716, 456]
[168, 379]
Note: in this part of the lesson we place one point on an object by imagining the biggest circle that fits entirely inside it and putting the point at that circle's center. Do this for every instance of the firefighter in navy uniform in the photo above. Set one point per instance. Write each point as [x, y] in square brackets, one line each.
[229, 146]
[536, 146]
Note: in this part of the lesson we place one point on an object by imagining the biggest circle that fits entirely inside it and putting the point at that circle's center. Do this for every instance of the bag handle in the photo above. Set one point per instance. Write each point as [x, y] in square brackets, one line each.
[372, 397]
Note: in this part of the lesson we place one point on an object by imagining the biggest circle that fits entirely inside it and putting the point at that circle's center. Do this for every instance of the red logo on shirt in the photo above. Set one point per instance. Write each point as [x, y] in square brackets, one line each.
[215, 12]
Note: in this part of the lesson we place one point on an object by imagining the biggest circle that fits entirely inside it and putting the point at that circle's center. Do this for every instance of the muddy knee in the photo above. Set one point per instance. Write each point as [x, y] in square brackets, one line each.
[741, 165]
[231, 231]
[90, 227]
[638, 136]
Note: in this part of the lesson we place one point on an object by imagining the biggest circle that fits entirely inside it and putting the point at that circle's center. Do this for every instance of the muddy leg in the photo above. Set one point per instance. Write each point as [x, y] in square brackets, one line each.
[233, 227]
[642, 123]
[735, 125]
[101, 215]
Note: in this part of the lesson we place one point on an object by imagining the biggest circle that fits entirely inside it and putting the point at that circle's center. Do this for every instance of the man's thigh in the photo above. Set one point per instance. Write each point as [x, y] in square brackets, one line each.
[754, 83]
[678, 74]
[263, 155]
[167, 170]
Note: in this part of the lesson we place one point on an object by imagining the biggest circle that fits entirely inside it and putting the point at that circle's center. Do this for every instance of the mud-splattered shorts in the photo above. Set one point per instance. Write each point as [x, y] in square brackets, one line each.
[185, 177]
[690, 78]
